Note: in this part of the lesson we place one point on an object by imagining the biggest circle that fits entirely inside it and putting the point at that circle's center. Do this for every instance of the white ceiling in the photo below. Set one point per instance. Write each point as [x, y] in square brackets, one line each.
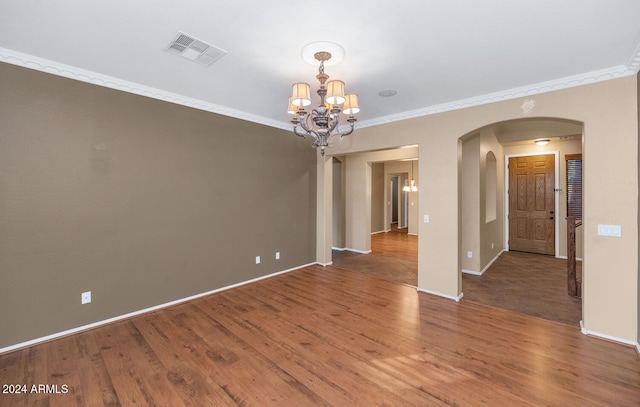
[437, 54]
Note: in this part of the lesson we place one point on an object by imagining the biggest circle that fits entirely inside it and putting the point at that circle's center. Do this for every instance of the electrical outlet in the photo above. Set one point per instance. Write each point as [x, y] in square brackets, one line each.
[470, 255]
[85, 298]
[492, 245]
[277, 255]
[257, 259]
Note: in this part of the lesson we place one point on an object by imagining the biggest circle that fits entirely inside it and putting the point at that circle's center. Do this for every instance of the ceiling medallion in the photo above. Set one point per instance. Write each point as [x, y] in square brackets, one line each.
[321, 122]
[309, 51]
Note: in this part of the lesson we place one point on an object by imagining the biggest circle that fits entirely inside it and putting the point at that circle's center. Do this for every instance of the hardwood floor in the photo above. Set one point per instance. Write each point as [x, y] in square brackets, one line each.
[393, 257]
[325, 336]
[522, 282]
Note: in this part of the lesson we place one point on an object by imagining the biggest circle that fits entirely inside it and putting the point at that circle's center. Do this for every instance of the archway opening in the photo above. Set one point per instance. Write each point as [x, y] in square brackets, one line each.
[503, 202]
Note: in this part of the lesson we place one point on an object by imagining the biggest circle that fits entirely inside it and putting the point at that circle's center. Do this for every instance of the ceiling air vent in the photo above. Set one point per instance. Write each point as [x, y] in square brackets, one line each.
[195, 50]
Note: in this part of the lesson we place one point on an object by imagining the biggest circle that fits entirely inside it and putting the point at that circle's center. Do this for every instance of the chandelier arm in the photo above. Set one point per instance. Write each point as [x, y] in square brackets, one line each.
[335, 120]
[348, 131]
[310, 127]
[295, 131]
[309, 131]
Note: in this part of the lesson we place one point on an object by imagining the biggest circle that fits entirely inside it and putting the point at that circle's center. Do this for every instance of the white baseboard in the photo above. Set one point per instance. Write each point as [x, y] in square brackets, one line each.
[324, 264]
[456, 299]
[379, 231]
[608, 337]
[565, 258]
[479, 273]
[492, 261]
[412, 234]
[142, 311]
[346, 249]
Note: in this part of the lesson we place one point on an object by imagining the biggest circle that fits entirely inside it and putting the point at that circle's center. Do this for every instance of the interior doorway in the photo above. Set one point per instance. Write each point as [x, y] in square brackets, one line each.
[394, 199]
[513, 205]
[398, 202]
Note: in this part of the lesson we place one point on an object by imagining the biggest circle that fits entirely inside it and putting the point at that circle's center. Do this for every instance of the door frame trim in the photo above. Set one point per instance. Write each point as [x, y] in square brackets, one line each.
[557, 196]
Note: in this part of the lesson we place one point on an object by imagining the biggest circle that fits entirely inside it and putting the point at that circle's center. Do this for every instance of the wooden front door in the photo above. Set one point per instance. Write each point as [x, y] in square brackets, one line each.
[532, 203]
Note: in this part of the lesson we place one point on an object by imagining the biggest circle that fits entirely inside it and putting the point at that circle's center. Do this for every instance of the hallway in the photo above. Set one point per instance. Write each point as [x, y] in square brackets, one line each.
[521, 282]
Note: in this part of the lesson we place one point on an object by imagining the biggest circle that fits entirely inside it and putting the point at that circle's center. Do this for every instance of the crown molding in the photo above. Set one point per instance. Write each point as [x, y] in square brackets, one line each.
[515, 93]
[634, 61]
[94, 78]
[67, 71]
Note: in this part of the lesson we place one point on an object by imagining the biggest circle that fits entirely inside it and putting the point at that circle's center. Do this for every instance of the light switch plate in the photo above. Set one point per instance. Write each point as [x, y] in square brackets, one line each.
[610, 230]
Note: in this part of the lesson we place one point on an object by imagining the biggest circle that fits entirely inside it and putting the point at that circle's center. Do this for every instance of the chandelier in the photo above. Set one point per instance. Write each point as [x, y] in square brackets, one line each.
[323, 120]
[413, 187]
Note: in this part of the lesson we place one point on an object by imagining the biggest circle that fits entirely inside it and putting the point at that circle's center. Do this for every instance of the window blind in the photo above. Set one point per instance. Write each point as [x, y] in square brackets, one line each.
[574, 185]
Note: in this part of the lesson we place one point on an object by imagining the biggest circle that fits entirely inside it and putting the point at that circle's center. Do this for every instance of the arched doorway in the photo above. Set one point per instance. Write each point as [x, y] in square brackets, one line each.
[494, 198]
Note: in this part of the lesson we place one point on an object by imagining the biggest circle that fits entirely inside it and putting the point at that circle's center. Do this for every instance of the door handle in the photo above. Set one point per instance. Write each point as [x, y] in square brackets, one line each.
[551, 218]
[551, 212]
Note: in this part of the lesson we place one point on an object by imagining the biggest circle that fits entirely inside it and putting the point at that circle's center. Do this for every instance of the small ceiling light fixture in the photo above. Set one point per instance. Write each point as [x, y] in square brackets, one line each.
[387, 93]
[324, 119]
[542, 142]
[413, 187]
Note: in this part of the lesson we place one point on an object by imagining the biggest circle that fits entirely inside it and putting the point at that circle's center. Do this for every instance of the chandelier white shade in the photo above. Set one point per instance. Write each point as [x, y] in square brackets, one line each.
[351, 104]
[412, 187]
[301, 95]
[323, 120]
[335, 92]
[292, 108]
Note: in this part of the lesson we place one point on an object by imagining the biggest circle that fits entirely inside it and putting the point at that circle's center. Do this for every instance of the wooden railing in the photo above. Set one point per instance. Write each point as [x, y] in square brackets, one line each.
[574, 287]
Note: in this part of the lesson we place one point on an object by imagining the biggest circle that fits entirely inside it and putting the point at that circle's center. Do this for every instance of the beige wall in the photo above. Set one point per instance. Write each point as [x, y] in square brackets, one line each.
[324, 207]
[338, 200]
[377, 197]
[470, 205]
[483, 239]
[491, 231]
[140, 201]
[610, 146]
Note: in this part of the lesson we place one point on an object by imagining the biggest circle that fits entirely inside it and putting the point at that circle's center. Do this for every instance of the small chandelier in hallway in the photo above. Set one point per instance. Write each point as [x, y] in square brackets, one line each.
[412, 187]
[323, 120]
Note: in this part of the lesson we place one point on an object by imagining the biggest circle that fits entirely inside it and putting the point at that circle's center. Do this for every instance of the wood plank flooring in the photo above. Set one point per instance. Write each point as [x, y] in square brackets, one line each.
[327, 337]
[393, 257]
[532, 284]
[522, 282]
